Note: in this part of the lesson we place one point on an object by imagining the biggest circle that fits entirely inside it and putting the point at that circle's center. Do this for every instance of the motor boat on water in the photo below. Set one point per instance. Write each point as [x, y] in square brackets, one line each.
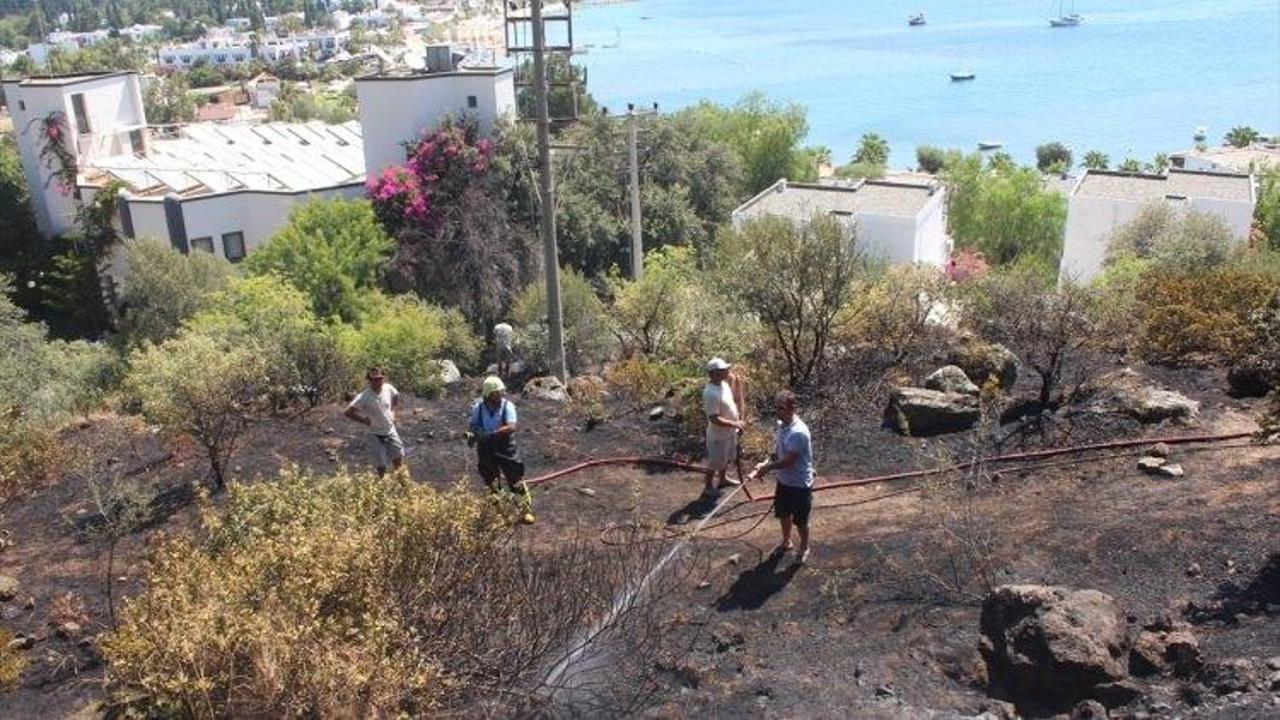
[916, 20]
[962, 75]
[990, 145]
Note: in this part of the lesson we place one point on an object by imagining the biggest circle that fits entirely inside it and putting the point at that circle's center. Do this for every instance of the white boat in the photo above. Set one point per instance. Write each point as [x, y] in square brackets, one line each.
[1202, 134]
[962, 75]
[916, 20]
[1066, 19]
[990, 145]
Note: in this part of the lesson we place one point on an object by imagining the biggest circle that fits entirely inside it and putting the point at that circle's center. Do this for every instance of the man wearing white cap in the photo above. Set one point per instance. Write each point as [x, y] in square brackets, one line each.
[492, 430]
[720, 403]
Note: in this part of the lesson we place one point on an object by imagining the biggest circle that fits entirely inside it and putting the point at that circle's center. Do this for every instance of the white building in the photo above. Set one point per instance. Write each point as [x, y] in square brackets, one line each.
[103, 115]
[223, 188]
[421, 100]
[1252, 159]
[227, 188]
[1102, 201]
[902, 222]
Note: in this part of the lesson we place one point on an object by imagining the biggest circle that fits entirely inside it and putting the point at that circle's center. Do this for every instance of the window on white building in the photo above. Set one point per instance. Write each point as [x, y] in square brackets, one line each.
[472, 102]
[135, 141]
[233, 246]
[82, 115]
[22, 104]
[202, 243]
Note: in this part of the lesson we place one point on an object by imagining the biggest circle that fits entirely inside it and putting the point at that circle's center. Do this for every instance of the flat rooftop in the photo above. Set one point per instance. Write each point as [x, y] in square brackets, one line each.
[208, 158]
[803, 200]
[1177, 183]
[1254, 157]
[59, 80]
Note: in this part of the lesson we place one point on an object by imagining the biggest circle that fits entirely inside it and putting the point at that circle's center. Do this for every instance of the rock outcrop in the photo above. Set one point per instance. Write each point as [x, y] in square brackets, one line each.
[982, 363]
[950, 379]
[547, 387]
[1126, 392]
[920, 412]
[1053, 646]
[449, 373]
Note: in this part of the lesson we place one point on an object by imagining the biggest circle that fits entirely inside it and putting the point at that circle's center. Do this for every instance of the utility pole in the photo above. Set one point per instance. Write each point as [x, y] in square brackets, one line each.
[637, 242]
[547, 198]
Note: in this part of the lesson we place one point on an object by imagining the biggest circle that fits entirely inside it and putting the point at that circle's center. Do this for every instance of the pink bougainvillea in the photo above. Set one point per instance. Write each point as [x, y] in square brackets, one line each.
[966, 265]
[439, 166]
[57, 155]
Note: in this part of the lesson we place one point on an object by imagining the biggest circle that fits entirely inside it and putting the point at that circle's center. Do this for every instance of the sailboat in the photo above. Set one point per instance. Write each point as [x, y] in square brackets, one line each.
[1070, 19]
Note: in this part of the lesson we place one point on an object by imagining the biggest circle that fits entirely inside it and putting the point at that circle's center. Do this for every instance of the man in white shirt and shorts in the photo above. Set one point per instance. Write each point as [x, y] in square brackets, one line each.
[376, 406]
[504, 345]
[720, 399]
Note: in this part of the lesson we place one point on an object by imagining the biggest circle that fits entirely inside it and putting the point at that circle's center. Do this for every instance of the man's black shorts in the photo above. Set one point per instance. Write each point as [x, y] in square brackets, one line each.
[793, 501]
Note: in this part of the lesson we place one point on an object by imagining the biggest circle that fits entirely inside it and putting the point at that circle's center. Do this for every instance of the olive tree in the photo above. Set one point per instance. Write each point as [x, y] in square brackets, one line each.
[795, 277]
[165, 287]
[200, 387]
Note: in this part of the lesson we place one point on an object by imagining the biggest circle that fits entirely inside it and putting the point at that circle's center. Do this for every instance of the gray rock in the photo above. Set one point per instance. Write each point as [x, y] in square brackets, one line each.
[1089, 710]
[1052, 643]
[586, 387]
[1182, 652]
[1274, 681]
[1170, 470]
[1160, 450]
[1125, 392]
[68, 629]
[1230, 676]
[1146, 657]
[983, 363]
[951, 379]
[9, 587]
[1119, 693]
[589, 492]
[449, 373]
[547, 387]
[1150, 465]
[921, 412]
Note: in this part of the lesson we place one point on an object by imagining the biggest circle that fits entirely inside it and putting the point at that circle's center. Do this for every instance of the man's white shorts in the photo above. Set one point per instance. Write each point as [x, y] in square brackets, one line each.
[722, 449]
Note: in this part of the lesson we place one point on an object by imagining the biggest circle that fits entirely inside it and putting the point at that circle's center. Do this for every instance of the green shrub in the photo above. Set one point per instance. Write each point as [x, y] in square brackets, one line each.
[201, 385]
[673, 313]
[406, 337]
[329, 249]
[301, 355]
[587, 340]
[1175, 240]
[165, 287]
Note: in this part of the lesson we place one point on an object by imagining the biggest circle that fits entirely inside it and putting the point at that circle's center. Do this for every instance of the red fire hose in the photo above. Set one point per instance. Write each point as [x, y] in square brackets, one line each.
[854, 482]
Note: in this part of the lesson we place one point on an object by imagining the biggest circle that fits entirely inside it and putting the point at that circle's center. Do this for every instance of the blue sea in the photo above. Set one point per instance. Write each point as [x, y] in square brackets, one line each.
[1137, 78]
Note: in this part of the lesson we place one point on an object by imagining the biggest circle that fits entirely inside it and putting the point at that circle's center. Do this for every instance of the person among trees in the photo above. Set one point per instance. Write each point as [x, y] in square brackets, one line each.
[492, 431]
[376, 407]
[792, 458]
[504, 341]
[720, 401]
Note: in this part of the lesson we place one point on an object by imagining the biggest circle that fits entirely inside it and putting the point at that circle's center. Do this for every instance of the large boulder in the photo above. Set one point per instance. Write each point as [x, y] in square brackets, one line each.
[920, 412]
[1052, 646]
[449, 373]
[983, 362]
[547, 387]
[1126, 392]
[951, 379]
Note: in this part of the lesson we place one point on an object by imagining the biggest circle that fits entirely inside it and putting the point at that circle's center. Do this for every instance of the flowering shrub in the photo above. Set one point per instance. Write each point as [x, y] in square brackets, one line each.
[56, 132]
[966, 265]
[439, 167]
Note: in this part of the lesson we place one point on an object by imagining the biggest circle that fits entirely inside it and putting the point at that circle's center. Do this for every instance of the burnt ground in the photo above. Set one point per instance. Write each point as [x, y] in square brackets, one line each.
[883, 622]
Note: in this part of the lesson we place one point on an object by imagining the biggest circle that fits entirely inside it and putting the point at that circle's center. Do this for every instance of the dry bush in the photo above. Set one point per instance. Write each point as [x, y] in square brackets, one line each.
[12, 662]
[29, 456]
[642, 380]
[899, 313]
[67, 608]
[1187, 317]
[349, 596]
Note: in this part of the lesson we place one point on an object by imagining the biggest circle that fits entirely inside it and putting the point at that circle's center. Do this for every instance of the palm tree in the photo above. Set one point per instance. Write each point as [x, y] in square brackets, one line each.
[1160, 163]
[872, 150]
[1096, 160]
[1242, 136]
[1130, 165]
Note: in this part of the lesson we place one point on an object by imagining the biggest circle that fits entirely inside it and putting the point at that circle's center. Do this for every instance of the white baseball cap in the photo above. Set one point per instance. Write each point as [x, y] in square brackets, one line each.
[717, 364]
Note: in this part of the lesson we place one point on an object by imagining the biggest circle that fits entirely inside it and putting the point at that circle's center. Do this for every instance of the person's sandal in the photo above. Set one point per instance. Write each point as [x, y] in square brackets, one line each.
[802, 559]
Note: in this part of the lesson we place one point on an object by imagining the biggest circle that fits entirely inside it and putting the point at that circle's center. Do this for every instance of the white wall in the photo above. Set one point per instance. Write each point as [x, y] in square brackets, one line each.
[1091, 222]
[396, 109]
[932, 245]
[113, 105]
[887, 237]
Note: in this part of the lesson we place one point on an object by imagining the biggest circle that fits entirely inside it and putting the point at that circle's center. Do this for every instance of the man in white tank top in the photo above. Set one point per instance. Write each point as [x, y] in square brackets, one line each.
[724, 421]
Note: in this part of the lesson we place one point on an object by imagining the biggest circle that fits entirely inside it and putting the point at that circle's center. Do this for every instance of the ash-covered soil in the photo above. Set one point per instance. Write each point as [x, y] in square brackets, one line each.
[882, 622]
